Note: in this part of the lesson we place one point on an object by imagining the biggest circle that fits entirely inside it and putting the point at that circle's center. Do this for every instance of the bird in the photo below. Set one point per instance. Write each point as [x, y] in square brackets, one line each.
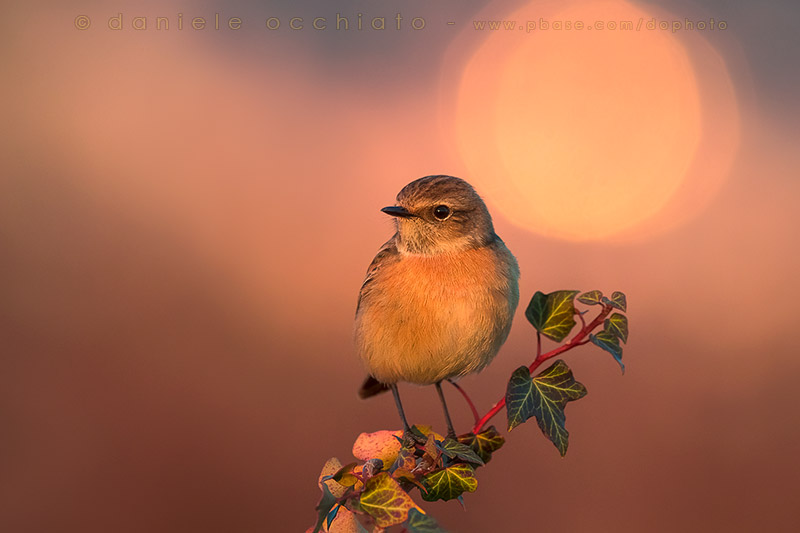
[439, 298]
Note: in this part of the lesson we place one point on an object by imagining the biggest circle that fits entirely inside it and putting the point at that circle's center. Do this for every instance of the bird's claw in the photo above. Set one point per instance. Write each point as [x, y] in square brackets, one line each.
[413, 437]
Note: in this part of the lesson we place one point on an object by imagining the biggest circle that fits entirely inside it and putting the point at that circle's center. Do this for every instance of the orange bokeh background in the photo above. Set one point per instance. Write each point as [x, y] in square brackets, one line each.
[186, 218]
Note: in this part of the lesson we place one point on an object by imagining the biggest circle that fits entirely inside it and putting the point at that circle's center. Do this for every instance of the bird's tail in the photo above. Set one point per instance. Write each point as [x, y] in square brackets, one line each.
[371, 387]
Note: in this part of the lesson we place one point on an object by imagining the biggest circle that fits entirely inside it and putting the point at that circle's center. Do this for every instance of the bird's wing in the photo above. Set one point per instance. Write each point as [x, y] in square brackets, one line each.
[371, 387]
[388, 254]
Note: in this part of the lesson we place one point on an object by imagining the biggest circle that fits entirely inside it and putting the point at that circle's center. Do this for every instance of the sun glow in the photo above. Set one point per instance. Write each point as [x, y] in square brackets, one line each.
[595, 134]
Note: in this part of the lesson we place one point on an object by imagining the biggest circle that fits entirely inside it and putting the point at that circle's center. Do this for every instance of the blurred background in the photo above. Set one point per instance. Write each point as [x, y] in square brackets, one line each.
[186, 216]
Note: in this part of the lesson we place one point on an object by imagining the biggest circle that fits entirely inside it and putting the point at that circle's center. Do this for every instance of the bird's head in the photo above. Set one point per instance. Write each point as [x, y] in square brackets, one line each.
[438, 214]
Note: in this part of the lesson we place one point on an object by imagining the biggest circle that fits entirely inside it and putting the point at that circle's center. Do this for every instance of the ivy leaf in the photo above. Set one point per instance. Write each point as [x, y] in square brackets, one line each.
[449, 483]
[432, 451]
[344, 521]
[544, 397]
[325, 477]
[406, 459]
[386, 501]
[556, 386]
[324, 507]
[484, 443]
[520, 397]
[617, 325]
[425, 431]
[609, 342]
[552, 314]
[401, 474]
[591, 297]
[617, 301]
[454, 449]
[383, 445]
[332, 516]
[344, 476]
[421, 523]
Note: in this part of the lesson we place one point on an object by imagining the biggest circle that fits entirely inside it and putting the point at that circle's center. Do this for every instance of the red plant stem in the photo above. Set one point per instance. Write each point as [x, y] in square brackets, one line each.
[575, 341]
[539, 343]
[469, 400]
[583, 322]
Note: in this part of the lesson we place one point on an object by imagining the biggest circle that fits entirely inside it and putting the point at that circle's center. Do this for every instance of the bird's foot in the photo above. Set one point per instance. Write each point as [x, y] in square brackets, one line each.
[412, 437]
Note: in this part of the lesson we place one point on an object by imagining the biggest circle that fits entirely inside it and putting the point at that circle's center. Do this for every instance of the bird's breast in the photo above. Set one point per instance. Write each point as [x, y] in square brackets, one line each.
[427, 318]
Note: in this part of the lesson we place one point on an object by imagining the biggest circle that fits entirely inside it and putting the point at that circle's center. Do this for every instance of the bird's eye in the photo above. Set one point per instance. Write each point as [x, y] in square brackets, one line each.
[441, 212]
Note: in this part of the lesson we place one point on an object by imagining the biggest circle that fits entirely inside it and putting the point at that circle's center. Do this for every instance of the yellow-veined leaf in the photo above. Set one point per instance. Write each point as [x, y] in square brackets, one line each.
[484, 443]
[552, 314]
[386, 501]
[449, 483]
[591, 297]
[617, 324]
[543, 397]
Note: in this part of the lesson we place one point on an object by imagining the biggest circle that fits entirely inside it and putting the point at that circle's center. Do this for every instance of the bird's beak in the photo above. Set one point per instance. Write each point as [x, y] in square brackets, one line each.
[397, 211]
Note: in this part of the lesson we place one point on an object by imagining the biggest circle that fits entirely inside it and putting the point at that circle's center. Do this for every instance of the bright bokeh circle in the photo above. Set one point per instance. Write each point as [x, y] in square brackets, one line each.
[594, 134]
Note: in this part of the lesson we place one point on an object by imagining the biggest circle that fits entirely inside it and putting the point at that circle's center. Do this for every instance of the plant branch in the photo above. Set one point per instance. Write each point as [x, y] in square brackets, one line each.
[467, 398]
[539, 343]
[578, 340]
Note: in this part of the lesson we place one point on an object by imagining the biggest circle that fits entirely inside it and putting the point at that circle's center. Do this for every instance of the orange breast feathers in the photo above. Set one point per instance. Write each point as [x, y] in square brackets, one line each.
[428, 318]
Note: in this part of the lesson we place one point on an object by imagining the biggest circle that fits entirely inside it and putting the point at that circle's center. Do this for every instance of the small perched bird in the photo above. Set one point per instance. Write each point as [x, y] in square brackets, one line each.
[439, 297]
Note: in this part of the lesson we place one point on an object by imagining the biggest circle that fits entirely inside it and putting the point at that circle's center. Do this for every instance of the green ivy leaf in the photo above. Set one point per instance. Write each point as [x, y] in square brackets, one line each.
[484, 443]
[386, 501]
[552, 314]
[421, 523]
[449, 483]
[617, 325]
[454, 449]
[545, 397]
[609, 342]
[520, 397]
[591, 298]
[617, 301]
[324, 507]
